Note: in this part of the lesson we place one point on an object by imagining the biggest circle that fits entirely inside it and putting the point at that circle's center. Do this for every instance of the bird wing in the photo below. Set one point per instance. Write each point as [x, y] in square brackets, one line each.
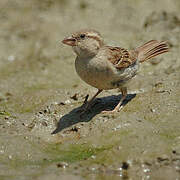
[120, 57]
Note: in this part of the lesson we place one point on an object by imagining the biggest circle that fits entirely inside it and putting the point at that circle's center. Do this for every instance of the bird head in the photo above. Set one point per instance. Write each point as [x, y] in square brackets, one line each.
[85, 42]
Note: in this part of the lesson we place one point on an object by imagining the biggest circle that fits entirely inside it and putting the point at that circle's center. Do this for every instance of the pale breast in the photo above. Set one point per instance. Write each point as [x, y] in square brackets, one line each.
[101, 73]
[94, 72]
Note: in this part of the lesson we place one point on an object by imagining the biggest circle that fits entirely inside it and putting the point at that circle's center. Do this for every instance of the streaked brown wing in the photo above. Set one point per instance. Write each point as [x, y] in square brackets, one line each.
[120, 57]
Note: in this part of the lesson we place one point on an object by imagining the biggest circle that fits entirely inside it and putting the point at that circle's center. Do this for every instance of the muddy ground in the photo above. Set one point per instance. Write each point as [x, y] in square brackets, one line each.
[42, 135]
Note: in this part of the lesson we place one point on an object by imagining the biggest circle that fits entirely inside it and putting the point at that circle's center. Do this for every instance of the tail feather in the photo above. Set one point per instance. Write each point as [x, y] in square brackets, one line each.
[151, 49]
[157, 49]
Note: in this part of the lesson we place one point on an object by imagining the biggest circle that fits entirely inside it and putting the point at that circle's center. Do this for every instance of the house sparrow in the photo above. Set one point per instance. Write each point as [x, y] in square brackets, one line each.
[106, 67]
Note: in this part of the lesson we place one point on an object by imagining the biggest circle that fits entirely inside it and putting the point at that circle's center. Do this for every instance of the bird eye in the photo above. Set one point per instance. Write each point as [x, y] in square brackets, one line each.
[82, 36]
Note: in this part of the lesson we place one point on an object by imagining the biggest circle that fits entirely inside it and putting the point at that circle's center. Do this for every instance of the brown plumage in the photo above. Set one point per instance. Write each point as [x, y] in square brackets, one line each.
[123, 58]
[120, 57]
[151, 49]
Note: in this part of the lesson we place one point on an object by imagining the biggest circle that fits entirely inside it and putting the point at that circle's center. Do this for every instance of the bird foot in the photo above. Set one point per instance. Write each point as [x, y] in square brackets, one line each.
[109, 112]
[115, 110]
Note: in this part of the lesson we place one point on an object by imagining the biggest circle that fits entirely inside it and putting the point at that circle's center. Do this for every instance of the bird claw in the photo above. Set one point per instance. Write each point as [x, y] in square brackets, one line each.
[115, 110]
[86, 99]
[109, 112]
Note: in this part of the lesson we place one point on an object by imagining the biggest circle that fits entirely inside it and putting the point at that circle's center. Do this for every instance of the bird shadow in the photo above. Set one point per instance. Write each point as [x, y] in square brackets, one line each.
[75, 116]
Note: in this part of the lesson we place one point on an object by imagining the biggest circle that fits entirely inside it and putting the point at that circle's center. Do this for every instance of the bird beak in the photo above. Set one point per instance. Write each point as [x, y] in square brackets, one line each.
[69, 41]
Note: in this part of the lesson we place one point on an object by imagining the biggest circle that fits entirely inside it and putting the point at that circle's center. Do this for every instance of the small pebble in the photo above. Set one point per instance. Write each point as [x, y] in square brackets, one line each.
[11, 58]
[153, 110]
[10, 157]
[146, 170]
[67, 102]
[125, 165]
[61, 103]
[93, 157]
[62, 165]
[75, 97]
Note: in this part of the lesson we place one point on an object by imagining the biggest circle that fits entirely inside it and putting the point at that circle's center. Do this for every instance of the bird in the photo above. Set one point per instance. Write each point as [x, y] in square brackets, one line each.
[107, 67]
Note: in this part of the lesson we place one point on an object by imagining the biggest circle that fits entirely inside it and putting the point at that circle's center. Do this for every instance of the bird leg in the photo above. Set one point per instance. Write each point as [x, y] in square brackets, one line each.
[89, 103]
[120, 104]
